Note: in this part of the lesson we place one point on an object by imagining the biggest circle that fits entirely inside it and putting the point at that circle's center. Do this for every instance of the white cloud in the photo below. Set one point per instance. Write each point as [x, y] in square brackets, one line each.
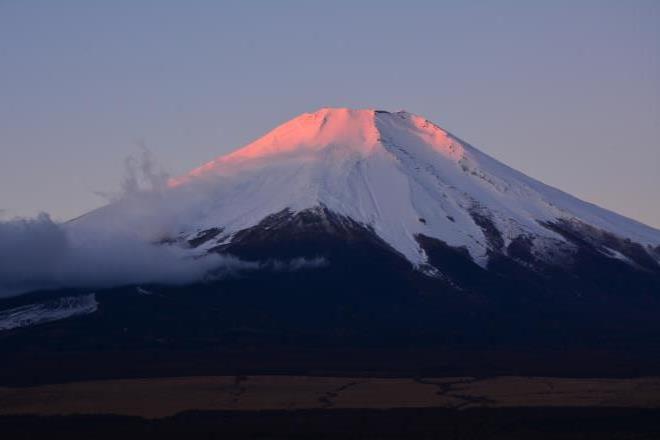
[39, 253]
[118, 246]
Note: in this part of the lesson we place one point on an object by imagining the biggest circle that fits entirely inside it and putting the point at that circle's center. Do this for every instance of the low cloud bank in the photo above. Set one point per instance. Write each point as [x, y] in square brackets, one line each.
[39, 253]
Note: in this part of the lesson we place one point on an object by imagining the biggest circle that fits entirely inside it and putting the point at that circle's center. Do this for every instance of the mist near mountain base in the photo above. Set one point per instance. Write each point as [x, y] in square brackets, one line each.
[39, 253]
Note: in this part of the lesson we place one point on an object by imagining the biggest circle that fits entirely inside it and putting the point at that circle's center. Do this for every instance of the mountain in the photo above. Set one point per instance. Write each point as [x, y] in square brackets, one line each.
[365, 228]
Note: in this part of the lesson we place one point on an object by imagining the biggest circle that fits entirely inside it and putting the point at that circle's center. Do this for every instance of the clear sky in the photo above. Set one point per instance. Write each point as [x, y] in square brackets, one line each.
[565, 91]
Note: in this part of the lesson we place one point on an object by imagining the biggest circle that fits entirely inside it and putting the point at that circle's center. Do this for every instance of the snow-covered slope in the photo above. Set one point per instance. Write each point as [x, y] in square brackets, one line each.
[396, 173]
[54, 310]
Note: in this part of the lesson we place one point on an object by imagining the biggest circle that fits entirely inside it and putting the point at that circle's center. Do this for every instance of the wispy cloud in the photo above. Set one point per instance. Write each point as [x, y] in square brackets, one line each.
[120, 246]
[38, 253]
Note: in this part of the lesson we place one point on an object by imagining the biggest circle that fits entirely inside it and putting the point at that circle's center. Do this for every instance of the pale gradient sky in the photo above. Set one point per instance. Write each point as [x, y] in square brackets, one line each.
[566, 91]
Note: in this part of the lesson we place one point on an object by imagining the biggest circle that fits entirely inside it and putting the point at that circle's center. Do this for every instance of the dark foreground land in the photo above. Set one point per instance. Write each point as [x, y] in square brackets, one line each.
[156, 398]
[425, 423]
[323, 407]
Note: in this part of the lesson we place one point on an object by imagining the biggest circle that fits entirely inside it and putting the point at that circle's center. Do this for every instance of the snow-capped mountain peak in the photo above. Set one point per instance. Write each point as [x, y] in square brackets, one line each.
[357, 131]
[395, 173]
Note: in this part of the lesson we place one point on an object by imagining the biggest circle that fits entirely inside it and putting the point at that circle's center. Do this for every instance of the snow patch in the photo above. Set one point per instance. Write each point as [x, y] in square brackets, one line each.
[61, 308]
